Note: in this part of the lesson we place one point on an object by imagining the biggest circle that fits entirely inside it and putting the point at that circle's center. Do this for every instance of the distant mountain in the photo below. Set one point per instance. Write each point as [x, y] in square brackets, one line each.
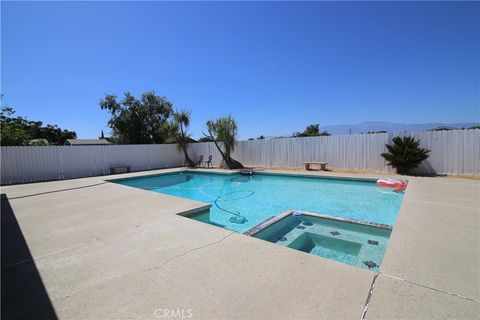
[390, 127]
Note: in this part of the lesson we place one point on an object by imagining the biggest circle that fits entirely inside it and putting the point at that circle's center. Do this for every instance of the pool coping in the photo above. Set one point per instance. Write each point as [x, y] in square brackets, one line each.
[273, 219]
[178, 170]
[316, 176]
[237, 171]
[195, 211]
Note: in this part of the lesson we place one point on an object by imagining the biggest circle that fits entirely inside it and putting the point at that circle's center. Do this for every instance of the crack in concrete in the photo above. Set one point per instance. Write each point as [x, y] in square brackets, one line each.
[160, 266]
[189, 251]
[168, 260]
[431, 288]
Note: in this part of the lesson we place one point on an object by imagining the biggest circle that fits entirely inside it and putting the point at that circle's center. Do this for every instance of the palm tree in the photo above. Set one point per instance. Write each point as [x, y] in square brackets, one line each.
[181, 121]
[224, 130]
[405, 154]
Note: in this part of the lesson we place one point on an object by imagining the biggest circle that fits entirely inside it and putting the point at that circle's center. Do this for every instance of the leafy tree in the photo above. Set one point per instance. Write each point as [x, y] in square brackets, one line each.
[205, 139]
[13, 130]
[14, 135]
[18, 131]
[312, 130]
[405, 154]
[224, 131]
[261, 137]
[138, 121]
[53, 134]
[38, 142]
[179, 125]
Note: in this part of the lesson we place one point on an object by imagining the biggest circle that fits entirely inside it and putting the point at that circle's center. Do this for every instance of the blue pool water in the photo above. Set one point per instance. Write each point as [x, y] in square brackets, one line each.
[241, 202]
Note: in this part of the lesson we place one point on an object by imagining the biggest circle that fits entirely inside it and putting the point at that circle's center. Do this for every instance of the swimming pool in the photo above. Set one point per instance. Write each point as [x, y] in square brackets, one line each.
[240, 202]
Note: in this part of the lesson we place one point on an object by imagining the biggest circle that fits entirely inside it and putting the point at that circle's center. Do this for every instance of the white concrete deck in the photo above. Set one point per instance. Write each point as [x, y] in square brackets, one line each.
[104, 250]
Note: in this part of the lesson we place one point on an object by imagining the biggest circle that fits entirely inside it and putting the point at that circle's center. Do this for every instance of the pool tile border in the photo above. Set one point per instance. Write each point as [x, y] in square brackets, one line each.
[266, 223]
[347, 220]
[233, 172]
[316, 176]
[269, 221]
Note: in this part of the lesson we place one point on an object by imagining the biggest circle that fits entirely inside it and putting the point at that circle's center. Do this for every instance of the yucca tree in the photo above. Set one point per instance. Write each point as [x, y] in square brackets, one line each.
[224, 130]
[405, 154]
[179, 126]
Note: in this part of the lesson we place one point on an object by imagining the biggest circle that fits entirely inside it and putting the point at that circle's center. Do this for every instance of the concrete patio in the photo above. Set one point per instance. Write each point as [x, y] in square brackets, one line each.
[86, 248]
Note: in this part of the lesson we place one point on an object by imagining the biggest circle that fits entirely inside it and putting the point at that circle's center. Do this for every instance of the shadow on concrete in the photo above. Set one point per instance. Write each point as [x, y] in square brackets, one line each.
[425, 170]
[23, 294]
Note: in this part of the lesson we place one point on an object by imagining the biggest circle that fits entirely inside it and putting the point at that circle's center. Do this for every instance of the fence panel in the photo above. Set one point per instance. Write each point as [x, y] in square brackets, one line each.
[31, 164]
[452, 152]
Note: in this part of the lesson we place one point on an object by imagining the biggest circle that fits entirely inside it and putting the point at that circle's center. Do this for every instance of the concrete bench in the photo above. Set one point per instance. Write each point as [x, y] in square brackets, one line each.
[119, 169]
[323, 165]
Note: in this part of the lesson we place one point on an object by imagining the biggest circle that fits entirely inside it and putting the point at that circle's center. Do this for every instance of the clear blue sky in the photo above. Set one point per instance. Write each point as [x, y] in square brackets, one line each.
[275, 66]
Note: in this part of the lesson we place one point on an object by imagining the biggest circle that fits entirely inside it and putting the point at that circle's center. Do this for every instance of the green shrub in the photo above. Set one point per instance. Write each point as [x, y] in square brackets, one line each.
[405, 154]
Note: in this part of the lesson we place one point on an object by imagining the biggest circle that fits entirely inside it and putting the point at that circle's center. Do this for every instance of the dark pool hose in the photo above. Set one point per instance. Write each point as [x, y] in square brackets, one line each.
[238, 218]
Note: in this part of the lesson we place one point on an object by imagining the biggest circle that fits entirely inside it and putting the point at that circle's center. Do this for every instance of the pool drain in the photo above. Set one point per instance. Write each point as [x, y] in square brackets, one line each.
[370, 264]
[334, 233]
[373, 242]
[238, 220]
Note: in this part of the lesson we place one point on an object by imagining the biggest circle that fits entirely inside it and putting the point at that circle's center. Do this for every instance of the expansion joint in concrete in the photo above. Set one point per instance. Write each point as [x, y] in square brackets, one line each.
[370, 293]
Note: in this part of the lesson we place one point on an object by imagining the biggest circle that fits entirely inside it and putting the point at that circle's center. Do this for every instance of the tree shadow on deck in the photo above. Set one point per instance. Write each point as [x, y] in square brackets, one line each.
[23, 294]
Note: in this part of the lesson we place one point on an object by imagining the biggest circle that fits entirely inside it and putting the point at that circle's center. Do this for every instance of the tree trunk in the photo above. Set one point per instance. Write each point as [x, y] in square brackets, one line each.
[230, 164]
[227, 162]
[187, 162]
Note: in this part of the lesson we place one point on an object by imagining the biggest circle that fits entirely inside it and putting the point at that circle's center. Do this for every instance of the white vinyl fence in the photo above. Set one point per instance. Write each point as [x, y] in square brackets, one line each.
[452, 152]
[31, 164]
